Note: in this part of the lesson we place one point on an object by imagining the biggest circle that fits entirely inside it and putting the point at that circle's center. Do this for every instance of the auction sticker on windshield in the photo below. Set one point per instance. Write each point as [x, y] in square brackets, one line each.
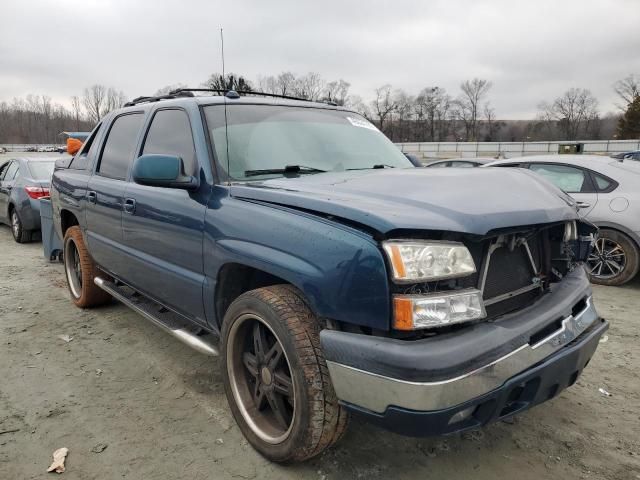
[361, 122]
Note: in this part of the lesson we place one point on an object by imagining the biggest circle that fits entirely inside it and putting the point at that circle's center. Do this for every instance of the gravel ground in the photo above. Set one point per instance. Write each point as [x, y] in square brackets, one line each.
[129, 401]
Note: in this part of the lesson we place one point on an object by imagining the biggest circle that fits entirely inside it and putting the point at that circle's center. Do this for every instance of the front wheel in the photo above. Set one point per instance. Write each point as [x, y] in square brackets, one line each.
[275, 376]
[615, 259]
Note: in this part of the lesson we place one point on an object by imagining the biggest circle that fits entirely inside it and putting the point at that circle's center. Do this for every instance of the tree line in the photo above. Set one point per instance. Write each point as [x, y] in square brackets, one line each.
[429, 115]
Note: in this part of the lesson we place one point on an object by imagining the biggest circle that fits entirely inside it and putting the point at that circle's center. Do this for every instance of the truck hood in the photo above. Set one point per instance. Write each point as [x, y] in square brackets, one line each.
[474, 200]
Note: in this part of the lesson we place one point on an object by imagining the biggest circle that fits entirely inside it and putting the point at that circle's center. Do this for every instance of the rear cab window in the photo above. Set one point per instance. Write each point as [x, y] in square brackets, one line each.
[170, 134]
[87, 152]
[120, 145]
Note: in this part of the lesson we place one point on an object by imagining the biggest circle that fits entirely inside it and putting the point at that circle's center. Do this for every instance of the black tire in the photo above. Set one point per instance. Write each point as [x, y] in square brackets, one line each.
[311, 419]
[20, 234]
[615, 259]
[80, 270]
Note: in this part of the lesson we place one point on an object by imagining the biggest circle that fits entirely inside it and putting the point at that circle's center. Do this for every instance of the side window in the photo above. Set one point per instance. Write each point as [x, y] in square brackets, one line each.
[462, 164]
[440, 165]
[81, 160]
[12, 171]
[120, 145]
[170, 134]
[636, 156]
[603, 184]
[569, 179]
[3, 170]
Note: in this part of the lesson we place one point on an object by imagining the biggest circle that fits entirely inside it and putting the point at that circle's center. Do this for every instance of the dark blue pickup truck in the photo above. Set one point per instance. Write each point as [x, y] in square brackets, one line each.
[331, 275]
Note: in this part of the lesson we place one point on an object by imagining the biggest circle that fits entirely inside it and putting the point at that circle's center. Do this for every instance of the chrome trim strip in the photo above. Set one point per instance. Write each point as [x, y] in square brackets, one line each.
[377, 392]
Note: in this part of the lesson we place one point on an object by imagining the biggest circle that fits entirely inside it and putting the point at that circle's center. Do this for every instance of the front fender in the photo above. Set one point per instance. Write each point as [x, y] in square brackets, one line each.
[340, 270]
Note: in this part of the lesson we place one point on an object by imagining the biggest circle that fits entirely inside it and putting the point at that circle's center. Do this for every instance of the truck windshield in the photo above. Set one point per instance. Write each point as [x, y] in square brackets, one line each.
[265, 141]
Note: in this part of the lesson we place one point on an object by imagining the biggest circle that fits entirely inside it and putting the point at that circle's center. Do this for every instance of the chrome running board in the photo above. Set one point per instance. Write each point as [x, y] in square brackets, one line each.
[160, 316]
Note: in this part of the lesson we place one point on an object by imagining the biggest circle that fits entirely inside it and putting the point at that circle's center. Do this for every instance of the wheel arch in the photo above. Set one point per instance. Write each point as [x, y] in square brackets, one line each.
[67, 219]
[236, 278]
[620, 229]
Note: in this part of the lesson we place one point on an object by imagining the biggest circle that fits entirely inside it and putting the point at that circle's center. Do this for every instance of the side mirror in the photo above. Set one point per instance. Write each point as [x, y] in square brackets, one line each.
[162, 171]
[62, 163]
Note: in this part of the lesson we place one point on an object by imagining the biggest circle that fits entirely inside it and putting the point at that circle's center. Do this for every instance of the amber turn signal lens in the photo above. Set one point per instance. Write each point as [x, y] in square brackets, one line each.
[402, 314]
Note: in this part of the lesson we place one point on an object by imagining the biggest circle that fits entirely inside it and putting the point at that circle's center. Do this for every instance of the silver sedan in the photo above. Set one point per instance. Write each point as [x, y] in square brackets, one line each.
[608, 193]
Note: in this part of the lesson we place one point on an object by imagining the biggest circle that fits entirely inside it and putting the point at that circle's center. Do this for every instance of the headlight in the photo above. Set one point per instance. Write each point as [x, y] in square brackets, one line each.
[412, 312]
[415, 261]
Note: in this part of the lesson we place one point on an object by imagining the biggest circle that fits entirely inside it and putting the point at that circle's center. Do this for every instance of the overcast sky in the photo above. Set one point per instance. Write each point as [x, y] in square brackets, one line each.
[531, 50]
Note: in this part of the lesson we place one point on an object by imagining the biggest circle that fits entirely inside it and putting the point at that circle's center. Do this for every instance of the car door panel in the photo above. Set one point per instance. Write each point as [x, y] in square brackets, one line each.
[105, 192]
[162, 240]
[163, 227]
[5, 190]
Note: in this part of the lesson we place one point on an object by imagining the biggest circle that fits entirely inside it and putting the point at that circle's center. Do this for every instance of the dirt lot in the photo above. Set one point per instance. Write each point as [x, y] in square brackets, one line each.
[159, 408]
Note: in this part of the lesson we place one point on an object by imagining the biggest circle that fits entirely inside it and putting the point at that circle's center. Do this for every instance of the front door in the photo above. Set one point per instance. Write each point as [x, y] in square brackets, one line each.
[163, 228]
[105, 192]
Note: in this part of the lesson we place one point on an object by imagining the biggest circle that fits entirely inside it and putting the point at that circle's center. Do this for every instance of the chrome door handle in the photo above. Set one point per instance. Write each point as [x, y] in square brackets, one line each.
[129, 205]
[92, 197]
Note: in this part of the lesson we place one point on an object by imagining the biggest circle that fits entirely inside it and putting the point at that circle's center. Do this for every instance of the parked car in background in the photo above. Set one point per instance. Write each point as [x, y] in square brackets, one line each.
[608, 193]
[633, 155]
[3, 150]
[334, 275]
[460, 162]
[23, 181]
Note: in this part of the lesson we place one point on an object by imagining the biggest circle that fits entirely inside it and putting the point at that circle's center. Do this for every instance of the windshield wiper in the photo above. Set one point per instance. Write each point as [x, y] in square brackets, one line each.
[286, 169]
[376, 166]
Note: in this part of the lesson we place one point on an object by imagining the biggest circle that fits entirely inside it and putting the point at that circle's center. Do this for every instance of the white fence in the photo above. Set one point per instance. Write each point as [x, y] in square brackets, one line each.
[26, 147]
[433, 150]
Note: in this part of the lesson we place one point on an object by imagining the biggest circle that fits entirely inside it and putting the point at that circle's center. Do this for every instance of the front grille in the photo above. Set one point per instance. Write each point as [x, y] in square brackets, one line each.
[507, 271]
[509, 277]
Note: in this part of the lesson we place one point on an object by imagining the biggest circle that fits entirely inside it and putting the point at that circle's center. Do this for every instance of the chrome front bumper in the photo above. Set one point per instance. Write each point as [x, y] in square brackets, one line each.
[376, 392]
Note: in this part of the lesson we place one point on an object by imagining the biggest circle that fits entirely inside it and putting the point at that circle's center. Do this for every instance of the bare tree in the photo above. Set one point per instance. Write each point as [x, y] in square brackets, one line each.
[473, 92]
[76, 108]
[115, 99]
[431, 107]
[286, 83]
[94, 99]
[230, 81]
[310, 86]
[337, 92]
[574, 113]
[628, 89]
[383, 105]
[168, 89]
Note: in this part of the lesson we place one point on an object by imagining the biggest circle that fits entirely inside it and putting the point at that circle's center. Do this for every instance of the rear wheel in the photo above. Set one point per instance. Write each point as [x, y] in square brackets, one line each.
[615, 258]
[20, 234]
[80, 271]
[276, 378]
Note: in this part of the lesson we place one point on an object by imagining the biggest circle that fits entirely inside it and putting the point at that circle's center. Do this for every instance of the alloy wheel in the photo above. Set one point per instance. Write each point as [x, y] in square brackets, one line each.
[260, 378]
[15, 224]
[73, 268]
[607, 260]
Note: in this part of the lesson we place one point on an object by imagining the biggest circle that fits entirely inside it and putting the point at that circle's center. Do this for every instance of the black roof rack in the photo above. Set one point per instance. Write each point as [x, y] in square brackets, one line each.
[188, 92]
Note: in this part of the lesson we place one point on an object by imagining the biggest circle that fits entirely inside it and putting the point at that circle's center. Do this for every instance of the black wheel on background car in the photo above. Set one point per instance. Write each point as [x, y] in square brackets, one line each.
[80, 271]
[275, 376]
[615, 258]
[20, 234]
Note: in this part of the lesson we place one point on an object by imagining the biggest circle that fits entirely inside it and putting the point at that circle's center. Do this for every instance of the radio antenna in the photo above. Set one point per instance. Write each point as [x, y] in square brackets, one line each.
[222, 52]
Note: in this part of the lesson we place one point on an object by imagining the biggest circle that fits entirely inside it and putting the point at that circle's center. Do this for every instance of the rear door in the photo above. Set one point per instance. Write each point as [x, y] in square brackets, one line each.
[105, 192]
[575, 181]
[163, 227]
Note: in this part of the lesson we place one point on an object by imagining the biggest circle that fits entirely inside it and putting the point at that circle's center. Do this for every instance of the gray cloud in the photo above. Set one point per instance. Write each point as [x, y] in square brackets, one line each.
[531, 51]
